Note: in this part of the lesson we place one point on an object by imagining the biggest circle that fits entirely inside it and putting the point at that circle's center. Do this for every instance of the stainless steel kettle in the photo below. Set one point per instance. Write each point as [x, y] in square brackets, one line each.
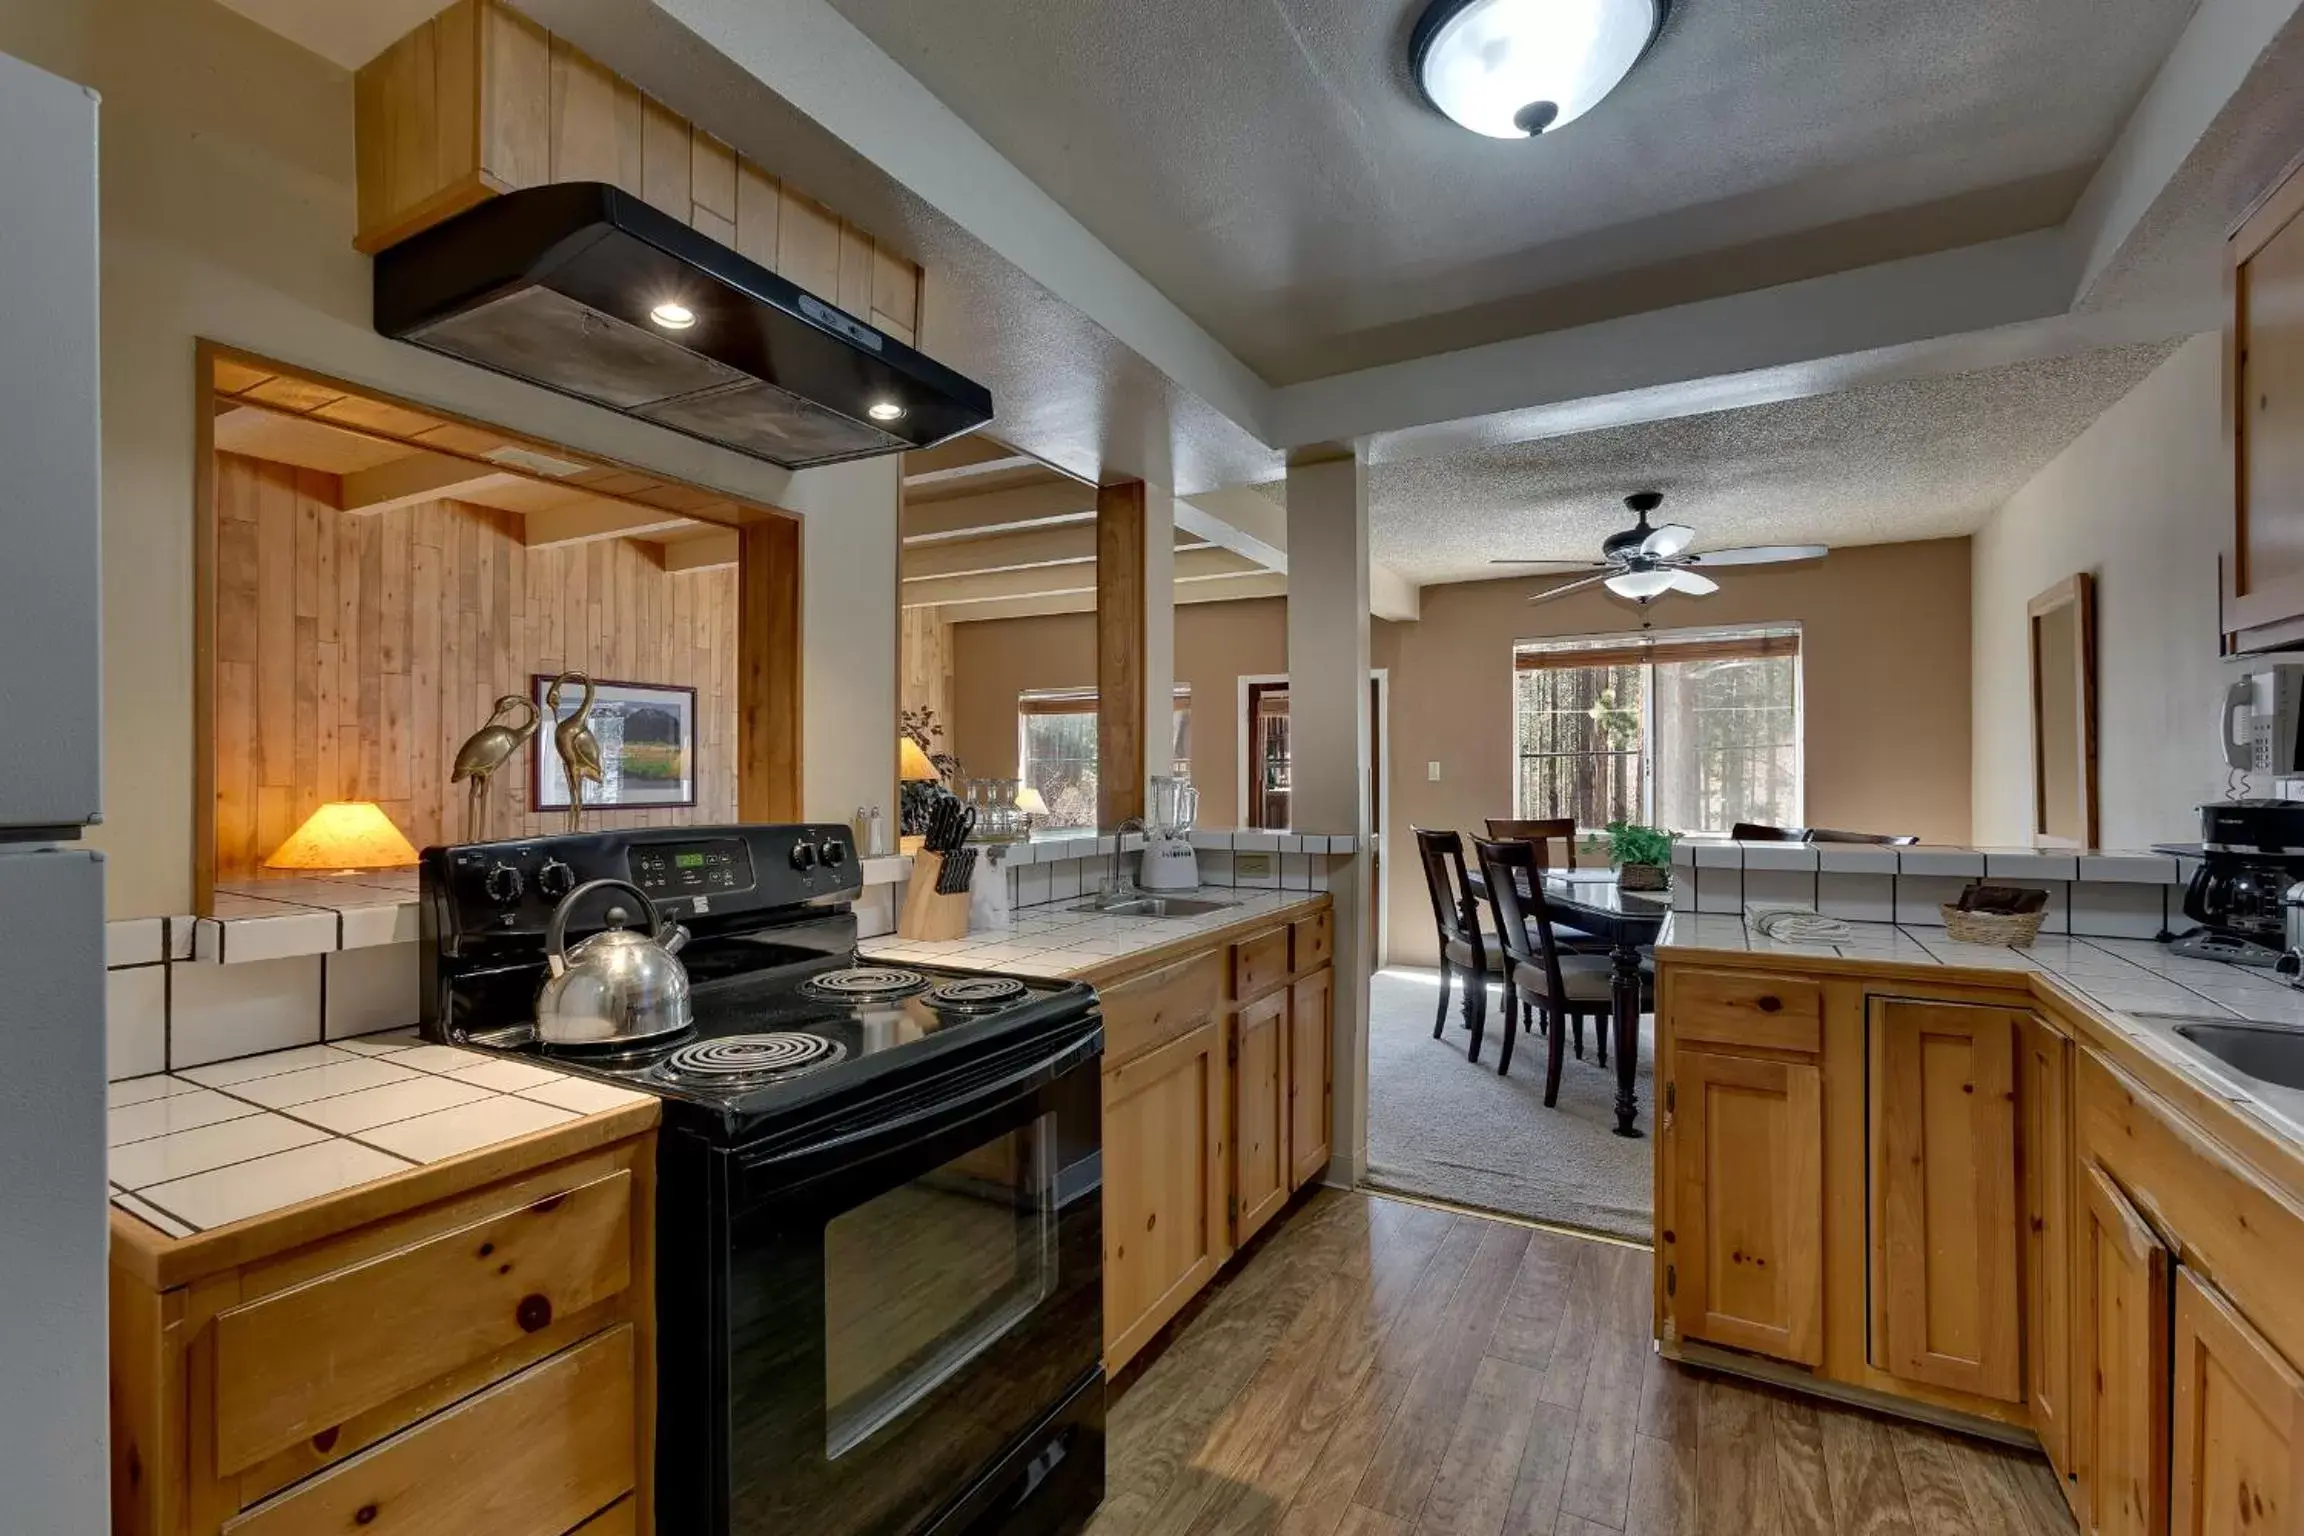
[620, 986]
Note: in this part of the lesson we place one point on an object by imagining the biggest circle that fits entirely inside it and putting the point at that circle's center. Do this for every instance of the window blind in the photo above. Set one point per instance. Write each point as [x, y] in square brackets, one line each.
[1641, 650]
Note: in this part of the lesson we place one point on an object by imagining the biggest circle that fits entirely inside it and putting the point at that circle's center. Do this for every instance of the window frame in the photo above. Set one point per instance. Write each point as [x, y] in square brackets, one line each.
[1647, 649]
[1031, 702]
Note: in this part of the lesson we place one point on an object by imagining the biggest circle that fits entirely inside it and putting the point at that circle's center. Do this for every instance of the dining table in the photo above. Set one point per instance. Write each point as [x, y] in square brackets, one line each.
[1628, 922]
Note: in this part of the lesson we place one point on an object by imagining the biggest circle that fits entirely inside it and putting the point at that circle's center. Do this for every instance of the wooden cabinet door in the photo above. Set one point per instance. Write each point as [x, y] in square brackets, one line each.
[2044, 1112]
[1745, 1256]
[2239, 1426]
[1164, 1185]
[1309, 1023]
[1946, 1262]
[2118, 1446]
[1259, 1114]
[2264, 415]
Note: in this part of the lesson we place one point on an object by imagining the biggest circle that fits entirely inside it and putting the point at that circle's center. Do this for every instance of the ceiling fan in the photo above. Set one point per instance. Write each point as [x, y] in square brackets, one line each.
[1643, 563]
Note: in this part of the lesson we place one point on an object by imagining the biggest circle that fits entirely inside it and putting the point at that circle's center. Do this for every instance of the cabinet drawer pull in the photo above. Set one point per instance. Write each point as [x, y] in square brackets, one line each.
[1769, 1002]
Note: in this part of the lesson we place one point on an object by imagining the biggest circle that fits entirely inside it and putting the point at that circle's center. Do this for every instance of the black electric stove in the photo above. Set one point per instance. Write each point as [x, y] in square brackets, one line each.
[879, 1239]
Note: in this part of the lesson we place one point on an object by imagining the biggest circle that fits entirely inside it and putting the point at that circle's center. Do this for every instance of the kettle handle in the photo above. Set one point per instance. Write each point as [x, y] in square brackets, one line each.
[556, 932]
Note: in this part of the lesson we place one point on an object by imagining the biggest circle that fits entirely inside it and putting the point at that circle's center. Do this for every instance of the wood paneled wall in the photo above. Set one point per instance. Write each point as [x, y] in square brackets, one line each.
[354, 654]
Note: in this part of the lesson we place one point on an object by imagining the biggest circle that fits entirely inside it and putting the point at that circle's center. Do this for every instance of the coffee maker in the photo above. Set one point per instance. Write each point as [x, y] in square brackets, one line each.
[2251, 852]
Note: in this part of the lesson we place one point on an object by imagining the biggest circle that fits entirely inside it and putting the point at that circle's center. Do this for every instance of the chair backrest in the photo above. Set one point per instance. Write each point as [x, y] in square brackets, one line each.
[1508, 864]
[1757, 832]
[1827, 835]
[1453, 913]
[1540, 833]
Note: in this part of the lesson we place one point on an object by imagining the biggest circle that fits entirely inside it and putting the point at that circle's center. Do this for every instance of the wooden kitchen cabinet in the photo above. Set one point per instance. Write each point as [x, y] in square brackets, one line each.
[2264, 420]
[2044, 1112]
[2238, 1436]
[1311, 1077]
[1745, 1248]
[1260, 1117]
[2119, 1443]
[1164, 1184]
[1945, 1260]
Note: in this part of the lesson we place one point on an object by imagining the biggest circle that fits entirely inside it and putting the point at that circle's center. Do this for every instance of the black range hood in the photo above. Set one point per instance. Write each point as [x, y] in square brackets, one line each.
[585, 289]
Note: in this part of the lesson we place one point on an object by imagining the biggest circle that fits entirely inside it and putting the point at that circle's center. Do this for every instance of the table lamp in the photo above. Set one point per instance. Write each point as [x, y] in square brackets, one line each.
[912, 764]
[344, 837]
[1032, 803]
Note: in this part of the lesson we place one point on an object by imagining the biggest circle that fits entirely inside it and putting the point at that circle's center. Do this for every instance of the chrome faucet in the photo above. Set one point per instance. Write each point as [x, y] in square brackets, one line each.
[1119, 886]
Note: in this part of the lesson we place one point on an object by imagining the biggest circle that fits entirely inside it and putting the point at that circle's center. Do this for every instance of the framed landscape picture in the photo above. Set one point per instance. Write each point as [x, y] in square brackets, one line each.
[647, 736]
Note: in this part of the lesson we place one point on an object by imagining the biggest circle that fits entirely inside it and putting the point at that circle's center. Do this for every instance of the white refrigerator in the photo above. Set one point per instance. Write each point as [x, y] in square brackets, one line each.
[52, 1189]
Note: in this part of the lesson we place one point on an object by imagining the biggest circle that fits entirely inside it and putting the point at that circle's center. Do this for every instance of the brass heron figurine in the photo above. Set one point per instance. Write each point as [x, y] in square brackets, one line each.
[579, 748]
[486, 750]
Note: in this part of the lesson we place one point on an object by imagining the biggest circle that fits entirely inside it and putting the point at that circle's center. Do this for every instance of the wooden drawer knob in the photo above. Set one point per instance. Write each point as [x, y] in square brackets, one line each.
[534, 1313]
[1770, 1003]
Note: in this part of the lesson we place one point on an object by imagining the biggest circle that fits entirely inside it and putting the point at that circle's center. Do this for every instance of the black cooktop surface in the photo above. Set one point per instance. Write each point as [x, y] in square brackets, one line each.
[776, 1029]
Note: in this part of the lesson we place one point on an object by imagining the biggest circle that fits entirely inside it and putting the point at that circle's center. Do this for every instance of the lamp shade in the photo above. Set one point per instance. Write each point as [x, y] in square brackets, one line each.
[912, 764]
[1031, 802]
[344, 834]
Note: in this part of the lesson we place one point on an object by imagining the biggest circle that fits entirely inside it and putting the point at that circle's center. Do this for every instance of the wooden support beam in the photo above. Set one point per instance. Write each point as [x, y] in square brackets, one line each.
[768, 672]
[971, 517]
[1028, 549]
[704, 553]
[1191, 565]
[601, 519]
[1120, 604]
[956, 474]
[419, 477]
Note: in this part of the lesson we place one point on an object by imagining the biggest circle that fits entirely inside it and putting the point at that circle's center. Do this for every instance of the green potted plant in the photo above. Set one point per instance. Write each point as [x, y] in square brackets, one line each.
[1642, 856]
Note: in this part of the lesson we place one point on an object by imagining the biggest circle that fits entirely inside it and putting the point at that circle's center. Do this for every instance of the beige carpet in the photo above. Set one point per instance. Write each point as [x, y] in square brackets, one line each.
[1450, 1129]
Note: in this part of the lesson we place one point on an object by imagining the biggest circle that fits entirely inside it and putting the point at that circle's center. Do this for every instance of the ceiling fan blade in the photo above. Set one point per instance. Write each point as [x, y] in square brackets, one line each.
[1557, 565]
[1761, 554]
[1668, 540]
[1693, 584]
[1563, 591]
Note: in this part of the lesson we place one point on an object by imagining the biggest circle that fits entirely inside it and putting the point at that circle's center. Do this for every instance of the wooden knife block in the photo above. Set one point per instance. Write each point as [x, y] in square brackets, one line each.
[928, 917]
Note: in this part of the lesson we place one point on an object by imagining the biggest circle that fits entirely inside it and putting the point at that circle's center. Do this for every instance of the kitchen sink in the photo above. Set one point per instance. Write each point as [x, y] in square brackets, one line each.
[1155, 906]
[2270, 1053]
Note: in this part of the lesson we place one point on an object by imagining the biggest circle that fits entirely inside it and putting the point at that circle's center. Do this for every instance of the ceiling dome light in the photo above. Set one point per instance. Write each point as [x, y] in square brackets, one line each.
[673, 315]
[1640, 586]
[885, 410]
[1512, 69]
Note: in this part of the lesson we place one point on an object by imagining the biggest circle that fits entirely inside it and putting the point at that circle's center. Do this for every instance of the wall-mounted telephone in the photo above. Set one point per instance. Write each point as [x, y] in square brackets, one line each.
[2260, 717]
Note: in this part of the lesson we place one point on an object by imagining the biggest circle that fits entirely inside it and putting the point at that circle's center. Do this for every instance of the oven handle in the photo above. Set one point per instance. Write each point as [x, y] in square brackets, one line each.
[937, 1114]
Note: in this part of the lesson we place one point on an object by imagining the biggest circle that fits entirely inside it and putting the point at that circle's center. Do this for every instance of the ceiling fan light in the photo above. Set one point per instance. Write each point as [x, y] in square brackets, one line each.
[1640, 586]
[1512, 69]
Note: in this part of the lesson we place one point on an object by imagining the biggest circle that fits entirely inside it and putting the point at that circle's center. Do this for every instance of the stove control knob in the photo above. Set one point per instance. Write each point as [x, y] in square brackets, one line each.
[804, 856]
[504, 883]
[555, 879]
[835, 853]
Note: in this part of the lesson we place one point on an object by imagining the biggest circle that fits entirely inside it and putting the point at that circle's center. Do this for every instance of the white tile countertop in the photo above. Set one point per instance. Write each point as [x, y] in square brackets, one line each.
[212, 1145]
[1057, 940]
[2135, 982]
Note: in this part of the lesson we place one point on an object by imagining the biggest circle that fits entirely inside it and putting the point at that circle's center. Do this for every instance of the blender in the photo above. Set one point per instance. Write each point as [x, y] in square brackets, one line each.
[1169, 864]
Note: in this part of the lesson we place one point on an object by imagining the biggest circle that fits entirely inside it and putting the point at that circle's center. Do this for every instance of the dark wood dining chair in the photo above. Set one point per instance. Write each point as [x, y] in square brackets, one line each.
[1541, 833]
[1464, 953]
[1566, 988]
[1883, 839]
[1759, 832]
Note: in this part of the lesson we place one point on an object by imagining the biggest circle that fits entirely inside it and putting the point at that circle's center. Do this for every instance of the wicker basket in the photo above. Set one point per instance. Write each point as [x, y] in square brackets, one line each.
[2014, 930]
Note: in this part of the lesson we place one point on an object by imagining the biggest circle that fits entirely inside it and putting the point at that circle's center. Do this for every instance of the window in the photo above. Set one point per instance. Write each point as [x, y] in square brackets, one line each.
[1056, 750]
[1694, 730]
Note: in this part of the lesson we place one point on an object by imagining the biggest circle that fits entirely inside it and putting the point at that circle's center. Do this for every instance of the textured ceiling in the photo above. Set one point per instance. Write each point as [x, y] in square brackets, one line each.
[1269, 166]
[1866, 466]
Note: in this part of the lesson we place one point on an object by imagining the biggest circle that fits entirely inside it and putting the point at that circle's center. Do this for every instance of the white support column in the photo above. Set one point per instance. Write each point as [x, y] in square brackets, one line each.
[1329, 735]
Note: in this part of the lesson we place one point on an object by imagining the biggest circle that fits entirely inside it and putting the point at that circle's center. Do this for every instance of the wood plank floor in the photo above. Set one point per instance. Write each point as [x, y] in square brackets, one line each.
[1379, 1368]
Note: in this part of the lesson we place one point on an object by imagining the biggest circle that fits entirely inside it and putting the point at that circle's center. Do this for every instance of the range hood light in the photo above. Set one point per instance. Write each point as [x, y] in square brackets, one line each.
[885, 410]
[673, 315]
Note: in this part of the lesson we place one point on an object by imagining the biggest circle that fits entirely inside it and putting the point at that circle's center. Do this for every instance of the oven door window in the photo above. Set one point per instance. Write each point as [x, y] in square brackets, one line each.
[926, 1277]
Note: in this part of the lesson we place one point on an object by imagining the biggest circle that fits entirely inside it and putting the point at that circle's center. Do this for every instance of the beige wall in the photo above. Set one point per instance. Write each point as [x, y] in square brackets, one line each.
[1217, 644]
[227, 211]
[1884, 657]
[2140, 501]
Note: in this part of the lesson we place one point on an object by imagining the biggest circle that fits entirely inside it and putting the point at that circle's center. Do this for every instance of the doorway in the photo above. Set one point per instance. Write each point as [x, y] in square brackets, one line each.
[1265, 774]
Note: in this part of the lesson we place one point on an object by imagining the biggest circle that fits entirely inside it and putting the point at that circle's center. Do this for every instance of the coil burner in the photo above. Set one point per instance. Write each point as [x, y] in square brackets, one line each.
[866, 984]
[978, 994]
[738, 1061]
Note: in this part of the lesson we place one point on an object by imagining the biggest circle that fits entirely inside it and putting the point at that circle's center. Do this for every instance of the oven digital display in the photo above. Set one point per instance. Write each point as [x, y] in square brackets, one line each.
[692, 869]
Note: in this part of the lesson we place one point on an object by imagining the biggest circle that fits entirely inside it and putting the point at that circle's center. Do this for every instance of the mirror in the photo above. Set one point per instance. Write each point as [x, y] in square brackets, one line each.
[2063, 626]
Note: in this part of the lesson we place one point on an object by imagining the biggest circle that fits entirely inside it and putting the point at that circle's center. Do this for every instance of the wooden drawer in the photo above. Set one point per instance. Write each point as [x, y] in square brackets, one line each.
[298, 1363]
[1311, 942]
[1779, 1013]
[1259, 964]
[1146, 1012]
[533, 1456]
